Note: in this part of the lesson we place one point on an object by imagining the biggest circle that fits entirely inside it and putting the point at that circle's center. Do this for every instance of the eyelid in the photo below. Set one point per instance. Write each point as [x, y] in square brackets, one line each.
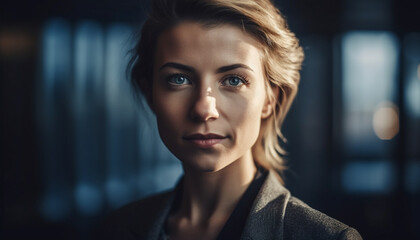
[243, 79]
[172, 75]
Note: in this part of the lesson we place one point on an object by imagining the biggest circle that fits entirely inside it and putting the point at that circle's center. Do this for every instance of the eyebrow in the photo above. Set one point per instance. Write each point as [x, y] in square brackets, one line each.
[233, 66]
[177, 66]
[191, 69]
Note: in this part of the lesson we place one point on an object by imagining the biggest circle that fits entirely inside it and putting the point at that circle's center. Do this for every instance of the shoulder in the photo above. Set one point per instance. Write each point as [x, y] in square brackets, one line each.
[304, 222]
[278, 215]
[133, 220]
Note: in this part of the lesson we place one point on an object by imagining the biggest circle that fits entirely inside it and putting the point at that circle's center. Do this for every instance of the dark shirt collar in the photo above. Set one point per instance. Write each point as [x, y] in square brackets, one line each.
[234, 226]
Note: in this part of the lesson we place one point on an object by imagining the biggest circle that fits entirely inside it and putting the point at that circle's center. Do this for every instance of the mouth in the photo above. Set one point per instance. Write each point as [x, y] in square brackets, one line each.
[204, 140]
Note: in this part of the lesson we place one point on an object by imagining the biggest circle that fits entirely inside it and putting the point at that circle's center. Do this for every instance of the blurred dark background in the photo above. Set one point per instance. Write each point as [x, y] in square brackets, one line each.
[75, 144]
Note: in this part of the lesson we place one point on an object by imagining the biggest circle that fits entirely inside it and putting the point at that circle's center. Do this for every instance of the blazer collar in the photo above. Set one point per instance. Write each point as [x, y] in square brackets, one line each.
[265, 221]
[157, 230]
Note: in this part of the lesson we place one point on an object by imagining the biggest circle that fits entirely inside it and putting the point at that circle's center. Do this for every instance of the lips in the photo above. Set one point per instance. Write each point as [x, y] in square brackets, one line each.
[204, 140]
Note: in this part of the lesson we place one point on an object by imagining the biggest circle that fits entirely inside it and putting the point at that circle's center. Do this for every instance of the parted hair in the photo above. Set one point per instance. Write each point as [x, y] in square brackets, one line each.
[282, 56]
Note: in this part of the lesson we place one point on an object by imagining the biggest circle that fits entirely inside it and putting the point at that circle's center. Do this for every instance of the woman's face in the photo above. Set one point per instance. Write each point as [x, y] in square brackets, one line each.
[208, 94]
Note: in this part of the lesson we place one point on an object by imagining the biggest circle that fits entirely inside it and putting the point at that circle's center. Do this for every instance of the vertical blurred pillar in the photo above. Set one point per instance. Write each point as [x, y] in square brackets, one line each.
[370, 127]
[53, 120]
[410, 146]
[121, 119]
[88, 115]
[309, 115]
[411, 100]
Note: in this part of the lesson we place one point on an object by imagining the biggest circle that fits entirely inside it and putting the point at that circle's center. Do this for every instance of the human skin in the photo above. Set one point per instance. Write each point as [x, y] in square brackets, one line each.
[209, 98]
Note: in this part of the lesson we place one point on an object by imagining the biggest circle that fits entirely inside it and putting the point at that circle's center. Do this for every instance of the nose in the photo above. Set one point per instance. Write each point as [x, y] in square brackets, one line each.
[205, 108]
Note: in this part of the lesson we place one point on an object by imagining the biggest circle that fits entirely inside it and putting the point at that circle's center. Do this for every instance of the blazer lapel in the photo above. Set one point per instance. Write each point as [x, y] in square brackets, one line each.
[265, 221]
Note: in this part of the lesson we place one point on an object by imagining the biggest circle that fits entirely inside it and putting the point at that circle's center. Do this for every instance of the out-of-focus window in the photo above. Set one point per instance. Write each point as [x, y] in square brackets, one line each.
[370, 115]
[100, 146]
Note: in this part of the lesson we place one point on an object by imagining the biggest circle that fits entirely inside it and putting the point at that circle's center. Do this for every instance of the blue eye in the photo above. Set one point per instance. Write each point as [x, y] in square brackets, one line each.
[233, 81]
[178, 80]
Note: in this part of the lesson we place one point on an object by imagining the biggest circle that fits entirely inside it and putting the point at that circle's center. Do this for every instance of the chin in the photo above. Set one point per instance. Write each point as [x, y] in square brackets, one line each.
[204, 165]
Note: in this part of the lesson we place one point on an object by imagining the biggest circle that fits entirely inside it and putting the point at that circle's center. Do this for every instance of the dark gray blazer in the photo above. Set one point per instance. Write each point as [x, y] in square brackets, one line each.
[274, 215]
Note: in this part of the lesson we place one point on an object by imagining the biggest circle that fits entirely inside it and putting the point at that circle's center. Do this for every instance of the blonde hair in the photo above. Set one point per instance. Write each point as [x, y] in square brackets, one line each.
[282, 56]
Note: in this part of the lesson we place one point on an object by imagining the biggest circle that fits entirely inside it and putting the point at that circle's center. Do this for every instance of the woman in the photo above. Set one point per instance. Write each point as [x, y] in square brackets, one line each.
[220, 77]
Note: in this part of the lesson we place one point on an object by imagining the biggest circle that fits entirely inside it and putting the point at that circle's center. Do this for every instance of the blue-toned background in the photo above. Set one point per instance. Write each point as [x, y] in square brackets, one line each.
[76, 143]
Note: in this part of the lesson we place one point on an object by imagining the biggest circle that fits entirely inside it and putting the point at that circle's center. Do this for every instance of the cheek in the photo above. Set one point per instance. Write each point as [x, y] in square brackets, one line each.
[165, 104]
[247, 109]
[167, 112]
[245, 114]
[167, 122]
[245, 117]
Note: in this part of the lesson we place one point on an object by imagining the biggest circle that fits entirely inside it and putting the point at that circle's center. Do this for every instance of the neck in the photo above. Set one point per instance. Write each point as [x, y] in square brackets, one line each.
[213, 195]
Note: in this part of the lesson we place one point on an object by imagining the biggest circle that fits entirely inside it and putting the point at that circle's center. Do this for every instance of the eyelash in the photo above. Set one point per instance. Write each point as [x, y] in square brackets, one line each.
[242, 78]
[171, 76]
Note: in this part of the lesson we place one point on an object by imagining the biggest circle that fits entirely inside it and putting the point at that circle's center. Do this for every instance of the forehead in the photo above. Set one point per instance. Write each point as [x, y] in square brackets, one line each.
[195, 44]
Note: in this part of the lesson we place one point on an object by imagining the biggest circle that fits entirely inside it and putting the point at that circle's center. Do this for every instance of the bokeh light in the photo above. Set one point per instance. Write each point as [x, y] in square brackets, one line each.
[386, 121]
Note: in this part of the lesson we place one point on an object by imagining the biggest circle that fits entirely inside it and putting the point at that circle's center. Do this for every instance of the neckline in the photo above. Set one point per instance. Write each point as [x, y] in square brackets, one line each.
[235, 224]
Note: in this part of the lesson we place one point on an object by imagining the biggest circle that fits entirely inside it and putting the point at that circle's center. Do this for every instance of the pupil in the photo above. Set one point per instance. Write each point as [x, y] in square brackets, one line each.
[234, 81]
[179, 80]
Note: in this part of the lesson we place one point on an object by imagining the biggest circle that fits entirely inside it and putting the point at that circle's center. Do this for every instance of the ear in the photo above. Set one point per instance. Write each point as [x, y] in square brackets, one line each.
[270, 103]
